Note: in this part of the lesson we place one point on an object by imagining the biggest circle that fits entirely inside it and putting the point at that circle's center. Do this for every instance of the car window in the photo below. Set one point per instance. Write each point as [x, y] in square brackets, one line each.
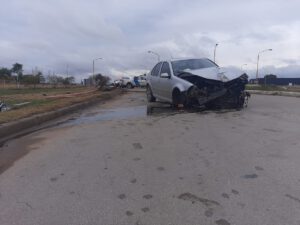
[156, 69]
[165, 69]
[191, 64]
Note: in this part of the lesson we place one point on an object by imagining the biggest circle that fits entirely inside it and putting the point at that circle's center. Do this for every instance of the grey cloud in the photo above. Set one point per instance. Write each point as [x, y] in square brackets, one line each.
[53, 34]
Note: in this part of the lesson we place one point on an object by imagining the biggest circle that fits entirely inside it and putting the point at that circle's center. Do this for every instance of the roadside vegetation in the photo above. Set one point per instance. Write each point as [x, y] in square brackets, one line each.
[26, 102]
[15, 75]
[29, 94]
[273, 88]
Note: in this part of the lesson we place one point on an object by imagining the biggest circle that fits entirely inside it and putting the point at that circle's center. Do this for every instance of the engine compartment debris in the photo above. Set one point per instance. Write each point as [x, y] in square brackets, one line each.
[216, 94]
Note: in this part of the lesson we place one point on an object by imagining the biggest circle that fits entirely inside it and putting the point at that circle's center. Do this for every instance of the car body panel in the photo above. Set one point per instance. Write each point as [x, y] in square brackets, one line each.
[213, 73]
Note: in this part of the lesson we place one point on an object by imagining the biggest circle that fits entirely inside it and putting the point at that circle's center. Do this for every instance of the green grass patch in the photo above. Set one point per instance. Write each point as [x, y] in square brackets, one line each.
[32, 103]
[273, 88]
[265, 88]
[22, 91]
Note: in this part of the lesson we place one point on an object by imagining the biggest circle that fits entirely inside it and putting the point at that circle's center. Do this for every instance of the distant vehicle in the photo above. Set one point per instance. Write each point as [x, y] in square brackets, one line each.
[195, 82]
[127, 82]
[142, 80]
[117, 83]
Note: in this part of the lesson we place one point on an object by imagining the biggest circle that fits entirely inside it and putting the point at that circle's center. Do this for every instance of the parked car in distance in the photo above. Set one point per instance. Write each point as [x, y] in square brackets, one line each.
[142, 80]
[195, 82]
[117, 83]
[127, 82]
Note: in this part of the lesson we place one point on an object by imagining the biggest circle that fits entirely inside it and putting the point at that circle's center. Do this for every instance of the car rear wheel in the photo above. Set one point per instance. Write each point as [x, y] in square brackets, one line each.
[150, 96]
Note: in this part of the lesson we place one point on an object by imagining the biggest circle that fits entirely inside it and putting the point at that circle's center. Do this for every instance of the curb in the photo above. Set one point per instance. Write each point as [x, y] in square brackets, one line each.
[11, 128]
[278, 93]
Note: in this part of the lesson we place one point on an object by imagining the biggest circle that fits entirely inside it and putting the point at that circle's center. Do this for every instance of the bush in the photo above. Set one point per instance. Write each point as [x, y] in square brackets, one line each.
[101, 81]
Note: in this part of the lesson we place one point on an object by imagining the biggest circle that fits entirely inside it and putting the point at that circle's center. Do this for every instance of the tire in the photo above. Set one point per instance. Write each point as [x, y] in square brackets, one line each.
[149, 93]
[129, 86]
[176, 98]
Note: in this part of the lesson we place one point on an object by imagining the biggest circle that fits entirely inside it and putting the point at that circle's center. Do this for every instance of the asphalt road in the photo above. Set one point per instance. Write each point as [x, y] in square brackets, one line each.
[112, 164]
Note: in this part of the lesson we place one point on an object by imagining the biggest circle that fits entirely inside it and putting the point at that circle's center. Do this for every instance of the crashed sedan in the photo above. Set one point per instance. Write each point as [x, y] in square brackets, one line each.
[196, 82]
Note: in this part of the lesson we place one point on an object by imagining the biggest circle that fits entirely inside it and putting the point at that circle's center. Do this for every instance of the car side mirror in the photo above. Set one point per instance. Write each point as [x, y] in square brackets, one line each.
[165, 75]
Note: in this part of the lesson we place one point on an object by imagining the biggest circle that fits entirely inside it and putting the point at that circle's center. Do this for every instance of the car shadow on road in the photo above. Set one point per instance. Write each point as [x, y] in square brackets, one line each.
[163, 108]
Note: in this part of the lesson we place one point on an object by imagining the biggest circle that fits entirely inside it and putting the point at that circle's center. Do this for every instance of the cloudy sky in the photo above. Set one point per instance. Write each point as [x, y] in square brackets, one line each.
[54, 35]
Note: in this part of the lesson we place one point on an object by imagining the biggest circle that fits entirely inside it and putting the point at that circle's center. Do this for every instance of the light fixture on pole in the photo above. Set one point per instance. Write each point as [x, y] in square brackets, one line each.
[94, 65]
[258, 61]
[243, 66]
[215, 51]
[154, 53]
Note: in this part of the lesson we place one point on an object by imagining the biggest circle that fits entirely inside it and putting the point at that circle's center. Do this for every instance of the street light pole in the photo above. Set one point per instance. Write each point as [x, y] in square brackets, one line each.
[215, 52]
[67, 70]
[154, 53]
[258, 55]
[94, 65]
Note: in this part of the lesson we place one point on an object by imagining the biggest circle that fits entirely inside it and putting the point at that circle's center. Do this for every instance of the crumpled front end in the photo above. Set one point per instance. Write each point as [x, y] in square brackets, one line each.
[215, 93]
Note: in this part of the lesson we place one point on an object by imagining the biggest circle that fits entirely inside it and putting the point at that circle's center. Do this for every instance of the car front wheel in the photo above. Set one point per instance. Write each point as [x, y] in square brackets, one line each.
[150, 96]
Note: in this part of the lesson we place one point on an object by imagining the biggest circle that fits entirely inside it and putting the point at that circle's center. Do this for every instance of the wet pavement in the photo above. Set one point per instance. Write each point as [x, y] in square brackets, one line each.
[110, 114]
[114, 164]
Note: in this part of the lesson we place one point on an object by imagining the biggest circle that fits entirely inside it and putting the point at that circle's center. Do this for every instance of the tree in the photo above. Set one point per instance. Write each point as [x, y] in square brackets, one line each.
[31, 79]
[18, 69]
[270, 76]
[101, 80]
[68, 80]
[53, 79]
[4, 73]
[270, 79]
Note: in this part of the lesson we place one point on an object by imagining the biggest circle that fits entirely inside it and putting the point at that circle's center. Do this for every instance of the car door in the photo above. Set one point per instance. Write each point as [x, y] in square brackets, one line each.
[154, 79]
[165, 83]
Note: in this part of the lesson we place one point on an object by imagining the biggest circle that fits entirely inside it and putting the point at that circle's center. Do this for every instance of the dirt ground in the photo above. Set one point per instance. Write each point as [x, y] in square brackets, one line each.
[29, 101]
[114, 164]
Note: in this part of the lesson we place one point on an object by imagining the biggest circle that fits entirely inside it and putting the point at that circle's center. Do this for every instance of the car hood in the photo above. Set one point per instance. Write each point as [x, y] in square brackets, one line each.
[213, 73]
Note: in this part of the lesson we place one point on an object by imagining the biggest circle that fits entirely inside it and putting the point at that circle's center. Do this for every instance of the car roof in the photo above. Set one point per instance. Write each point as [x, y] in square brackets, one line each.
[179, 59]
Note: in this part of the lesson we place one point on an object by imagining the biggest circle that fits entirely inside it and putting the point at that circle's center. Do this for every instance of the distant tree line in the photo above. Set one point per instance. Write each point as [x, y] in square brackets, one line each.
[59, 80]
[15, 74]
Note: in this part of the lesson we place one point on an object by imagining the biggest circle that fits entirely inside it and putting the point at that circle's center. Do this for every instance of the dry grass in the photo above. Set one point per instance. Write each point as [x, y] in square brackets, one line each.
[42, 100]
[273, 88]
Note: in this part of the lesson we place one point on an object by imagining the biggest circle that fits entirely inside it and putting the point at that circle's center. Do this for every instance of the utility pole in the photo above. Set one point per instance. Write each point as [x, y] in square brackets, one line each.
[215, 52]
[67, 70]
[258, 55]
[94, 65]
[154, 53]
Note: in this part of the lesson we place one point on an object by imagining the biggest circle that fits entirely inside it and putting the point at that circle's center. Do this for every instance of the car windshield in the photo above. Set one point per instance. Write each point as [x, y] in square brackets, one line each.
[191, 64]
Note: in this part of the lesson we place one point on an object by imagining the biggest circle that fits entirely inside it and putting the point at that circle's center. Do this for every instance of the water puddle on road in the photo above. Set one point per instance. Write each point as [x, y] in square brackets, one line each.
[110, 114]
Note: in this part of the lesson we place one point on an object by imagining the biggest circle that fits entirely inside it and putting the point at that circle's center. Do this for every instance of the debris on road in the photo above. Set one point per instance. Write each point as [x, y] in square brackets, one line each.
[3, 106]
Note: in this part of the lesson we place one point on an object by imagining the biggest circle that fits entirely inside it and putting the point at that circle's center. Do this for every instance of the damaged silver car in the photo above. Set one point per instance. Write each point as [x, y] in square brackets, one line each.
[196, 82]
